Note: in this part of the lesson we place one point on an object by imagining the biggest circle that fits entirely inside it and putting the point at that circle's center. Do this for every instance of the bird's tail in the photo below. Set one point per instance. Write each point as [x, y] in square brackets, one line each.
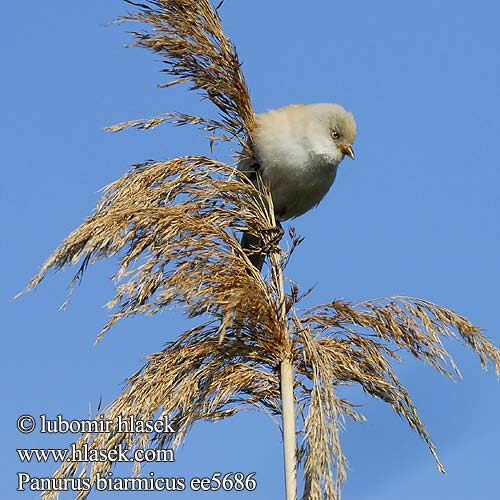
[253, 247]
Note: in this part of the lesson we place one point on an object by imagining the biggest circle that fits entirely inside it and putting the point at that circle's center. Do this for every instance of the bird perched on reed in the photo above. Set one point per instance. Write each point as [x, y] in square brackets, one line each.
[297, 149]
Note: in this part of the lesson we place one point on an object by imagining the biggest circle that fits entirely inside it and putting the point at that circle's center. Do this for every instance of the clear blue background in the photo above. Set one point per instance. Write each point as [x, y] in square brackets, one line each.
[416, 214]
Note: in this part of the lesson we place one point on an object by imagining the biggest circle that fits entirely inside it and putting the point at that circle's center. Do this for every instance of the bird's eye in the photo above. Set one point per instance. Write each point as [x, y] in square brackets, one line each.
[335, 134]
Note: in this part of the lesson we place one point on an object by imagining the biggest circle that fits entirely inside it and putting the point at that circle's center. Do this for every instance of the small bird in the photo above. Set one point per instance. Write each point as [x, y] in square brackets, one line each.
[297, 150]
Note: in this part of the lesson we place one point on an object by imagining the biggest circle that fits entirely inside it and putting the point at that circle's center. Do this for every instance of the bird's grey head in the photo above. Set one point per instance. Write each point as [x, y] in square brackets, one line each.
[333, 124]
[301, 133]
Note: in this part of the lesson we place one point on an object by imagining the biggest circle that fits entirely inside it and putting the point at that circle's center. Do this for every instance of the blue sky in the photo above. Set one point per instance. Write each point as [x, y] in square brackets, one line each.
[415, 214]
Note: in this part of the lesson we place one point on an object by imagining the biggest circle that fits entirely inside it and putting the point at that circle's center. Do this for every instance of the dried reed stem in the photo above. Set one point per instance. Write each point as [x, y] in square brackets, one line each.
[289, 432]
[287, 377]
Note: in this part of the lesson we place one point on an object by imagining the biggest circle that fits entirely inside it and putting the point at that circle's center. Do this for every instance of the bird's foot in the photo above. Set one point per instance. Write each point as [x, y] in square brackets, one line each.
[272, 237]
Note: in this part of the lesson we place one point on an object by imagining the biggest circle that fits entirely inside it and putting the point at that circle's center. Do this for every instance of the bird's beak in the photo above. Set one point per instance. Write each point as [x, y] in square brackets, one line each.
[348, 151]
